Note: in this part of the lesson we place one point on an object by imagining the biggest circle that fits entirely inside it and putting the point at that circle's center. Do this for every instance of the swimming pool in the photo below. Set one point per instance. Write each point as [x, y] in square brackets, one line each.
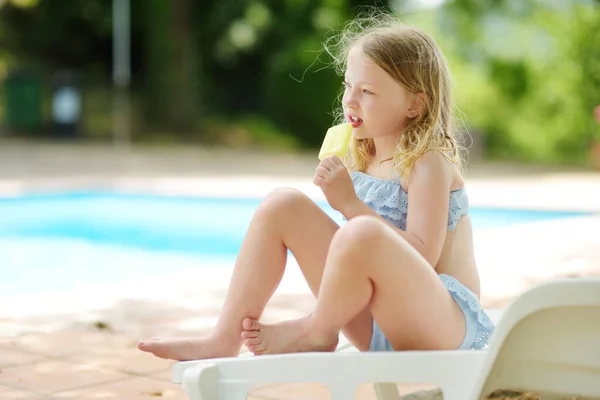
[206, 226]
[66, 240]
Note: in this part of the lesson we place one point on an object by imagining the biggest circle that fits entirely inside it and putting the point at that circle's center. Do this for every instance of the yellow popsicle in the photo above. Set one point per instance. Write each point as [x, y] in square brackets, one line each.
[336, 141]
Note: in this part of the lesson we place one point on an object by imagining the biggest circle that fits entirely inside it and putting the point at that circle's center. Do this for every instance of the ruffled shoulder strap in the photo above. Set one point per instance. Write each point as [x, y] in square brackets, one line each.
[388, 199]
[385, 197]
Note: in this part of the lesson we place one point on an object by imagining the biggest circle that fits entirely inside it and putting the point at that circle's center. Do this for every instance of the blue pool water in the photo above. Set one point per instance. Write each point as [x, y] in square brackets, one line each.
[203, 226]
[80, 242]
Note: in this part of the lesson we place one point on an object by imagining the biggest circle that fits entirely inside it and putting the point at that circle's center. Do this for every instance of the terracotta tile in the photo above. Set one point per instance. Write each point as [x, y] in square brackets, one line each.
[131, 361]
[11, 358]
[139, 388]
[68, 343]
[365, 392]
[56, 375]
[7, 393]
[164, 375]
[40, 397]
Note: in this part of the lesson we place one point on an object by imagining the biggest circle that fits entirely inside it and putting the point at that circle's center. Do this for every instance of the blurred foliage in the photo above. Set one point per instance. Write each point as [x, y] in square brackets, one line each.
[248, 72]
[536, 76]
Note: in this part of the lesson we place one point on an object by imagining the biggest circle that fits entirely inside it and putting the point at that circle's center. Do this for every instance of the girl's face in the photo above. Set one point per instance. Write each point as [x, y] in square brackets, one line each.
[374, 103]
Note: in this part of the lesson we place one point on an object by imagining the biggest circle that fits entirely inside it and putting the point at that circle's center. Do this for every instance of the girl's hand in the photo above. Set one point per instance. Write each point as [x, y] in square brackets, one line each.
[334, 180]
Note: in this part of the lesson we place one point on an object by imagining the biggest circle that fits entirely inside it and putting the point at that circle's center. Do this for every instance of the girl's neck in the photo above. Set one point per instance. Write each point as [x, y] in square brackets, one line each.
[385, 147]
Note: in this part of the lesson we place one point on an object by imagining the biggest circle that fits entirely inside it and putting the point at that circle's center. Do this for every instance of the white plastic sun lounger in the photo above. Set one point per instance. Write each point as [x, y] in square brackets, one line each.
[547, 341]
[417, 367]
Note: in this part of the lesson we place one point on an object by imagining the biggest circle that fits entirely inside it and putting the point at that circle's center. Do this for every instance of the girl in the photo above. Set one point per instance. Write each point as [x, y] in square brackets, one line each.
[401, 273]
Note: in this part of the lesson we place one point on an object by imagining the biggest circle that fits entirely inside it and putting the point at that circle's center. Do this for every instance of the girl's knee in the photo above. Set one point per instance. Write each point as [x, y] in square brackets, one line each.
[366, 235]
[359, 233]
[283, 200]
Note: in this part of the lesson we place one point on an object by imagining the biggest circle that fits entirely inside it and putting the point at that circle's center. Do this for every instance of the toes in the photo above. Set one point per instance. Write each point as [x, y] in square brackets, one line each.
[256, 349]
[252, 342]
[250, 334]
[147, 346]
[145, 343]
[250, 325]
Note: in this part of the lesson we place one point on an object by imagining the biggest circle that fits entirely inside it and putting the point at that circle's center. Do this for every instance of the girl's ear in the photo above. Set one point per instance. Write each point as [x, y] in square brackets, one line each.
[417, 105]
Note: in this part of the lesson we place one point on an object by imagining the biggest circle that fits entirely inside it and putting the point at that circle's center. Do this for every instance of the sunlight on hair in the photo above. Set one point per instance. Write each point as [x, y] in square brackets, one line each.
[415, 61]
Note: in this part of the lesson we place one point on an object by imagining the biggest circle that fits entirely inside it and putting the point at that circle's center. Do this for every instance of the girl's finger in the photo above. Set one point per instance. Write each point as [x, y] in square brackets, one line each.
[329, 163]
[322, 172]
[318, 180]
[337, 161]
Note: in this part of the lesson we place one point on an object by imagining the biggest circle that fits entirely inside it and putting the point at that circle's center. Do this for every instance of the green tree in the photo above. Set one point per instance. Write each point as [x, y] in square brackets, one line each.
[172, 75]
[526, 74]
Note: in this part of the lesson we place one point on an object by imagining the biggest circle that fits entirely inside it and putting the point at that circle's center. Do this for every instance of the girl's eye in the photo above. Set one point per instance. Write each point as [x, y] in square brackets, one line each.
[349, 86]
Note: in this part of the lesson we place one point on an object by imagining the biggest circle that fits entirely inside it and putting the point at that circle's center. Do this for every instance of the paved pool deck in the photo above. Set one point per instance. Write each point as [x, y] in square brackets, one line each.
[81, 344]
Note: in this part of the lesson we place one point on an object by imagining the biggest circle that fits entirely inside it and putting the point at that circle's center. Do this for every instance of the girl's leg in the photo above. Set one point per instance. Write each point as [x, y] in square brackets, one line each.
[370, 265]
[285, 219]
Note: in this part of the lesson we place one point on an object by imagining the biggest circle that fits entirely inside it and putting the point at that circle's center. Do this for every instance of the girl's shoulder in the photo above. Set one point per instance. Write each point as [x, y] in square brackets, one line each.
[435, 165]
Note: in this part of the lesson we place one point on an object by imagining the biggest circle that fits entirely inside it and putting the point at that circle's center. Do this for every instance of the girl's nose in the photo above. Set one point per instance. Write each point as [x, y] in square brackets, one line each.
[349, 101]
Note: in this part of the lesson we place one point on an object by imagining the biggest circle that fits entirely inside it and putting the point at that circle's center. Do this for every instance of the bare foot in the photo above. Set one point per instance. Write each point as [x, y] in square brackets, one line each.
[285, 337]
[189, 348]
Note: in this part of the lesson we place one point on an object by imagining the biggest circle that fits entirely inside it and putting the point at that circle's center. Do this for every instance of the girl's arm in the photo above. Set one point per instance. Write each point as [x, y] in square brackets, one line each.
[428, 201]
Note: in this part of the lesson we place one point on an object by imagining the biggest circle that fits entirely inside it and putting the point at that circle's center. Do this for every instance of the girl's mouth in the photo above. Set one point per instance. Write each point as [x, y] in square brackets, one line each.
[355, 121]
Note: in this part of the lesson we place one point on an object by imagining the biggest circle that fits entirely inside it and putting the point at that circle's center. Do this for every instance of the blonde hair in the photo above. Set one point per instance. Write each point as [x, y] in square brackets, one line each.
[413, 59]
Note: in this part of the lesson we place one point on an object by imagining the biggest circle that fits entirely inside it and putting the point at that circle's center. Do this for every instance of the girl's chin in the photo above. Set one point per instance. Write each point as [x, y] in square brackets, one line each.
[360, 133]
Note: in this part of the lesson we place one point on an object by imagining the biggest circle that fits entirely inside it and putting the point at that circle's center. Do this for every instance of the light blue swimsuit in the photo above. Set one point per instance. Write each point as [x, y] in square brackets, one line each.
[388, 199]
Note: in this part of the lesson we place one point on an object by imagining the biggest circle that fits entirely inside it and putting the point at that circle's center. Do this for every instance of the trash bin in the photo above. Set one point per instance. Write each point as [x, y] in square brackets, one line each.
[66, 104]
[23, 101]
